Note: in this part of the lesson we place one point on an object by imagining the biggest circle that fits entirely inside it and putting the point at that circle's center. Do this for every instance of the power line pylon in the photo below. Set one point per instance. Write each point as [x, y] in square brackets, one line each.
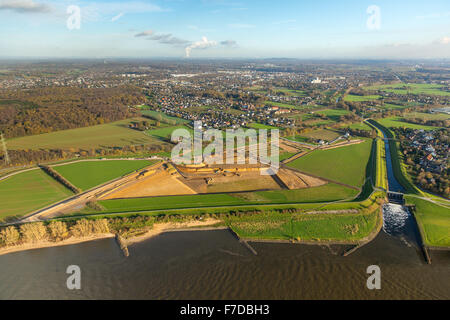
[5, 151]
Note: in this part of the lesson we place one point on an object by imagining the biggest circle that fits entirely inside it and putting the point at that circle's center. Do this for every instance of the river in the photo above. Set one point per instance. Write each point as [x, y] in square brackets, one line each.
[214, 265]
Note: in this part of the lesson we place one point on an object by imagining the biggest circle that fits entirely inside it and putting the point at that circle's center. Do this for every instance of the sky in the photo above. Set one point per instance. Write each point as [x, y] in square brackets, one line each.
[309, 29]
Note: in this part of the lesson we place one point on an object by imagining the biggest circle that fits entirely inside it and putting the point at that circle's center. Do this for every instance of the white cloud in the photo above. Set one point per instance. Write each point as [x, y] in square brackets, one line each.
[144, 33]
[229, 43]
[115, 18]
[24, 6]
[203, 44]
[444, 40]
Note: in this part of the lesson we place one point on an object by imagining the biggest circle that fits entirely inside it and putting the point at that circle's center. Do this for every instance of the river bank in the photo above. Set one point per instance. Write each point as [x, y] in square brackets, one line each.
[48, 244]
[157, 229]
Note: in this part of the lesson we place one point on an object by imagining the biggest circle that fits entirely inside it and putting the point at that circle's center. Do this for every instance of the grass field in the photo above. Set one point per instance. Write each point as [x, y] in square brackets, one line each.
[290, 92]
[286, 155]
[326, 227]
[88, 174]
[165, 133]
[115, 134]
[345, 164]
[358, 126]
[255, 125]
[355, 98]
[29, 191]
[397, 122]
[391, 106]
[334, 114]
[435, 221]
[411, 88]
[282, 105]
[329, 192]
[324, 134]
[160, 116]
[427, 116]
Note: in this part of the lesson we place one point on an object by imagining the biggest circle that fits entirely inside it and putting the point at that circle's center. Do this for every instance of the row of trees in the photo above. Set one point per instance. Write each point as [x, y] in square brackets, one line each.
[26, 157]
[53, 231]
[50, 171]
[429, 122]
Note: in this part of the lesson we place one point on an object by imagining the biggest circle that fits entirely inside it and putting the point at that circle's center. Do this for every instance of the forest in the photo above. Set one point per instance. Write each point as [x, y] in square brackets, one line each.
[43, 110]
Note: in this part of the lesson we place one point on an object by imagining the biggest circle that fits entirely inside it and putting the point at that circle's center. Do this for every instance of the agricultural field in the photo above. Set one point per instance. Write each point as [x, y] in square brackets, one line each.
[29, 191]
[322, 134]
[88, 174]
[166, 133]
[305, 227]
[397, 122]
[427, 116]
[290, 92]
[282, 105]
[355, 98]
[255, 125]
[115, 134]
[286, 155]
[333, 114]
[390, 106]
[351, 160]
[411, 88]
[326, 193]
[357, 126]
[435, 221]
[162, 117]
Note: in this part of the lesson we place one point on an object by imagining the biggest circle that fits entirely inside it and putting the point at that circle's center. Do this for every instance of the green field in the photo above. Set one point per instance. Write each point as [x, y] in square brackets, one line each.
[282, 105]
[115, 134]
[355, 98]
[29, 191]
[286, 155]
[329, 192]
[166, 133]
[391, 106]
[435, 221]
[411, 88]
[255, 125]
[333, 114]
[290, 92]
[304, 227]
[397, 122]
[427, 116]
[160, 116]
[358, 126]
[346, 164]
[324, 134]
[88, 174]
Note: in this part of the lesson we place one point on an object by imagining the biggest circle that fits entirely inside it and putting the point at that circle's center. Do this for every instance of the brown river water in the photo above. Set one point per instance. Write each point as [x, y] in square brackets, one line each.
[214, 265]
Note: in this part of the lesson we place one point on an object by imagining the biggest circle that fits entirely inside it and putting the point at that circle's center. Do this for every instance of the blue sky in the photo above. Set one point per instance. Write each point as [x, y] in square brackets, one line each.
[221, 28]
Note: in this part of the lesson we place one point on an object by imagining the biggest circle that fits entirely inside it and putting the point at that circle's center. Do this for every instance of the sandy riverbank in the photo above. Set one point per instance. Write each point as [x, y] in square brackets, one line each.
[156, 230]
[172, 226]
[48, 244]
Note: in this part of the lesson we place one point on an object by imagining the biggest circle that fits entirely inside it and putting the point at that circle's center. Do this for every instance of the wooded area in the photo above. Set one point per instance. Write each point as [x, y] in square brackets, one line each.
[43, 110]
